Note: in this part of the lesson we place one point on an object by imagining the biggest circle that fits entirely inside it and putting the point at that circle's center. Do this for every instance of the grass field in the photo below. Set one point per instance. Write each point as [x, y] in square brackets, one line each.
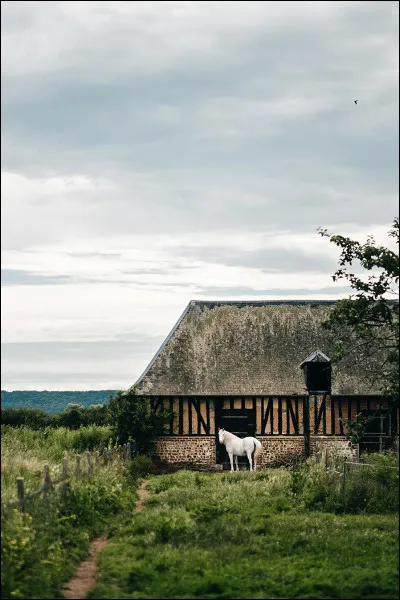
[41, 545]
[272, 534]
[246, 536]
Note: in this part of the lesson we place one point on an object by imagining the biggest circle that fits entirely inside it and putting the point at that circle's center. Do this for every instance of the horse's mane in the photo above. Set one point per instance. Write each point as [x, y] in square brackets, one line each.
[232, 435]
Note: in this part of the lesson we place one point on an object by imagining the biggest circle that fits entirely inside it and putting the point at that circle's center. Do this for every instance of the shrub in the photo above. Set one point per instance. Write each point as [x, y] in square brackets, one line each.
[139, 466]
[73, 416]
[130, 416]
[362, 489]
[34, 418]
[373, 487]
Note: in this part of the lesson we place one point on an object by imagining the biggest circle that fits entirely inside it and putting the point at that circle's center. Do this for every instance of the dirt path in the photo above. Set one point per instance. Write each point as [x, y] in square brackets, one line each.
[85, 576]
[142, 493]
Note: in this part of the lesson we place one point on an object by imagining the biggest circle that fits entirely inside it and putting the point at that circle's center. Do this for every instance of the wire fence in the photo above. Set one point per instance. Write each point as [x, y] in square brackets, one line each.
[94, 462]
[359, 471]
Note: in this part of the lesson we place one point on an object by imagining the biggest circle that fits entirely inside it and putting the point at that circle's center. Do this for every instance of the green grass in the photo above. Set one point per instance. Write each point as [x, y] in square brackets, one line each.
[24, 452]
[245, 535]
[41, 546]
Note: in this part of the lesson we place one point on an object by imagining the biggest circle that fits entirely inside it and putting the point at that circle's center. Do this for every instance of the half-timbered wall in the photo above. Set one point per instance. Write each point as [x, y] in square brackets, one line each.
[288, 426]
[191, 415]
[274, 415]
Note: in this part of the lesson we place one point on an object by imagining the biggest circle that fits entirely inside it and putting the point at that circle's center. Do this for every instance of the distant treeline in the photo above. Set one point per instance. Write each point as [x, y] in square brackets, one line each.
[127, 414]
[53, 402]
[73, 416]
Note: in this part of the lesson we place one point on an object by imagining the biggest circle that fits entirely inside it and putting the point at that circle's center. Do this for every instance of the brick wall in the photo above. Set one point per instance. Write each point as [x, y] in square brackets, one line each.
[275, 450]
[279, 449]
[203, 450]
[333, 445]
[187, 449]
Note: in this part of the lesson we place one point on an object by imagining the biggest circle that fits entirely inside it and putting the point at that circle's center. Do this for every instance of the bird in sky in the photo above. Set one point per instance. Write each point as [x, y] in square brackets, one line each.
[355, 101]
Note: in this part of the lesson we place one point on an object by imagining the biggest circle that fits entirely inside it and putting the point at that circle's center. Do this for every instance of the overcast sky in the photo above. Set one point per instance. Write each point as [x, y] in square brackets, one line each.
[159, 152]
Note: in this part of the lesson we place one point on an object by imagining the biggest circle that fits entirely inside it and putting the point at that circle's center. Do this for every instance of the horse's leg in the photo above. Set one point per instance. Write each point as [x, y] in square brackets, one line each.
[231, 459]
[250, 462]
[236, 461]
[256, 453]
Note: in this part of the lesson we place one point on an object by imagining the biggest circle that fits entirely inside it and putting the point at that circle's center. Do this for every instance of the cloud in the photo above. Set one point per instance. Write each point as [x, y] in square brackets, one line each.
[75, 363]
[155, 152]
[21, 277]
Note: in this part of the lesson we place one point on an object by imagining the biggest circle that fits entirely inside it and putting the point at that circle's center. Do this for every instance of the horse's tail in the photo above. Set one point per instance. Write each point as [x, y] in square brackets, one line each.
[257, 444]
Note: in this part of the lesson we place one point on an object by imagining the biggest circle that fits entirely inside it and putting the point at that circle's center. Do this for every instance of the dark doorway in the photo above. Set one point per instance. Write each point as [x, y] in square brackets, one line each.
[240, 422]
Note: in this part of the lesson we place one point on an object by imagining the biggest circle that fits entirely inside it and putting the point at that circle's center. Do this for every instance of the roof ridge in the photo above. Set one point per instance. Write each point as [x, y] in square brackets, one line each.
[263, 302]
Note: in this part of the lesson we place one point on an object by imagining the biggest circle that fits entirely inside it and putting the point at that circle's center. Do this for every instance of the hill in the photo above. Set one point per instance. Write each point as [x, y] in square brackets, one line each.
[52, 402]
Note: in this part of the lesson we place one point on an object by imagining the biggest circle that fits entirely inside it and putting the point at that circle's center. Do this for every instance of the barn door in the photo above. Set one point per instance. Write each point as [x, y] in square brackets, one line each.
[240, 422]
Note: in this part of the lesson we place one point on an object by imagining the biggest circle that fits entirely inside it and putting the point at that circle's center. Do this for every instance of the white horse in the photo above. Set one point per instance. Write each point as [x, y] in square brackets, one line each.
[236, 446]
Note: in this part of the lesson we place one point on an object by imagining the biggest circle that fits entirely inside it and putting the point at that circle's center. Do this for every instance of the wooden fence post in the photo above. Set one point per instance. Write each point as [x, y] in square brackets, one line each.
[344, 474]
[20, 489]
[65, 468]
[47, 485]
[46, 478]
[97, 459]
[78, 471]
[64, 475]
[89, 461]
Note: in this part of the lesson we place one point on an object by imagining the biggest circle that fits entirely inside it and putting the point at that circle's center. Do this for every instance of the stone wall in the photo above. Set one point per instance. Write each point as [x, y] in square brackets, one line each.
[275, 450]
[280, 449]
[202, 449]
[337, 445]
[187, 449]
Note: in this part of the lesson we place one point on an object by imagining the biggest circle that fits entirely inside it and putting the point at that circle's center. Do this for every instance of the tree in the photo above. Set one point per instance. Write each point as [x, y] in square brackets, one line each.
[367, 323]
[131, 416]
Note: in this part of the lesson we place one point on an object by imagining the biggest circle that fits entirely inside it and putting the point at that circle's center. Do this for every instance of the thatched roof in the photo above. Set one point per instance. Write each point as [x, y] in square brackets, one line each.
[244, 347]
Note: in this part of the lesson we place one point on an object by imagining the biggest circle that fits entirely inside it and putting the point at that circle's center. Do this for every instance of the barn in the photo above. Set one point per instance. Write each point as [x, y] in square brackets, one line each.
[259, 368]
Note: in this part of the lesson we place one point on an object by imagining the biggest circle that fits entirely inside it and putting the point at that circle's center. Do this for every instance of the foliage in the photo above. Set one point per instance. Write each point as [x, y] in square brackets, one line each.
[356, 427]
[41, 546]
[245, 535]
[130, 416]
[367, 323]
[361, 489]
[73, 416]
[53, 402]
[29, 417]
[139, 466]
[24, 452]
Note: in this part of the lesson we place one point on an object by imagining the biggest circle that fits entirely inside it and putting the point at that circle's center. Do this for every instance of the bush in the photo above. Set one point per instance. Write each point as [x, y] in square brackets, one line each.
[34, 418]
[139, 466]
[362, 489]
[130, 416]
[73, 416]
[373, 487]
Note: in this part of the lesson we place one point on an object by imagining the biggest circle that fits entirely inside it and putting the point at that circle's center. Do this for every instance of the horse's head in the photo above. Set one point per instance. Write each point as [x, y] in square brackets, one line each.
[221, 433]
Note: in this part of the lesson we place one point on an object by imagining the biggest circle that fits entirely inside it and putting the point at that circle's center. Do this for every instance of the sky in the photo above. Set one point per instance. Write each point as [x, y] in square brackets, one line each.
[154, 153]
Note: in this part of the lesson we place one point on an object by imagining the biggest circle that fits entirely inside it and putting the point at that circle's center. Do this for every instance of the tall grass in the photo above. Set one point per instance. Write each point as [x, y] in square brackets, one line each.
[24, 452]
[371, 487]
[41, 545]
